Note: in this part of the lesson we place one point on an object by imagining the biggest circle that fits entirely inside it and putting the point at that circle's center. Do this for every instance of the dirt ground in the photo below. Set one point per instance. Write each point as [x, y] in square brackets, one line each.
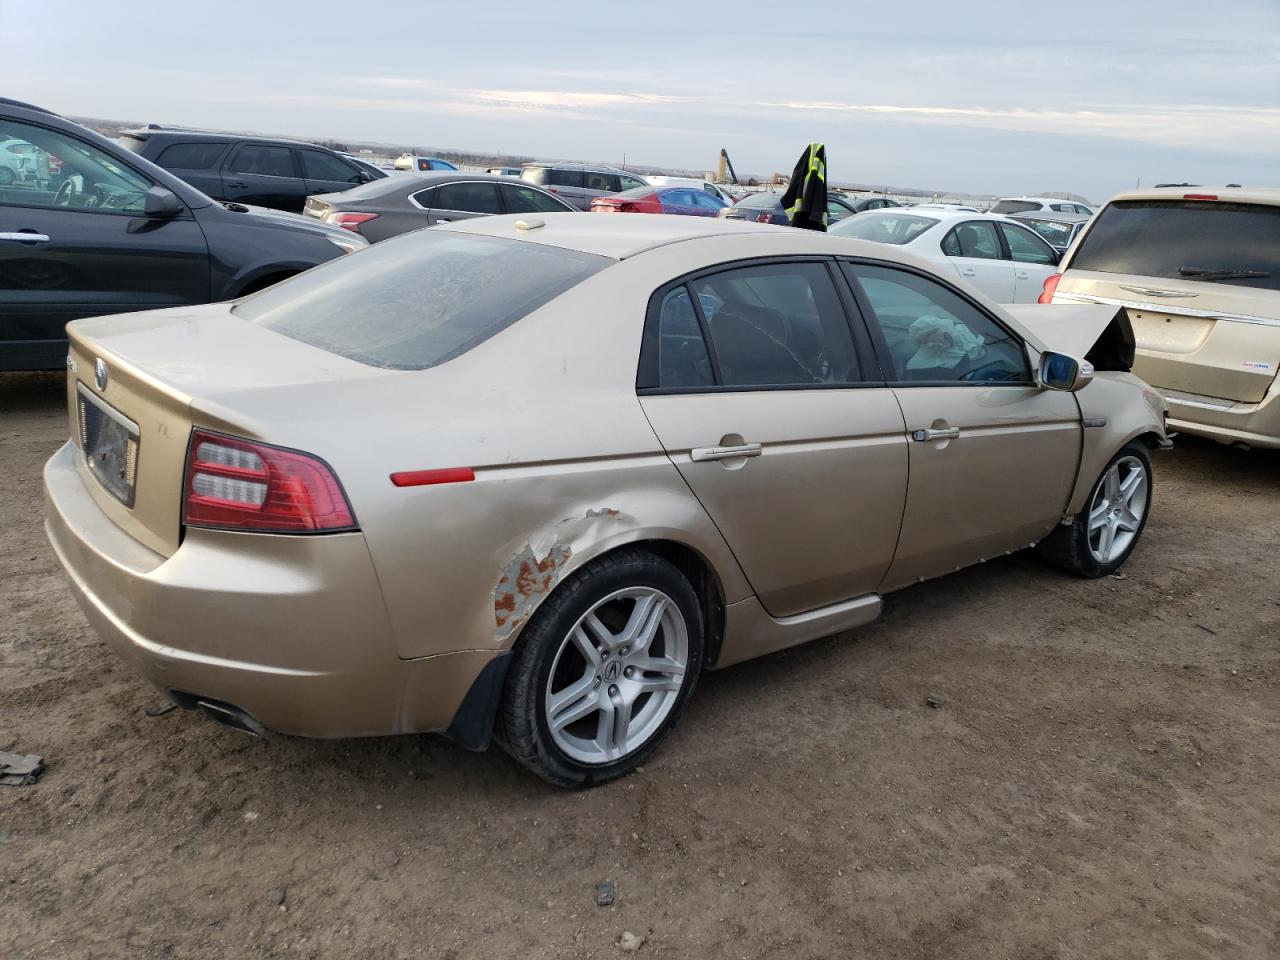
[1102, 779]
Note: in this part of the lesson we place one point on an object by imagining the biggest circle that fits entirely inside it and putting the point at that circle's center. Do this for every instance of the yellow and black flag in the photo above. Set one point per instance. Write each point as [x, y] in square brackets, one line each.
[806, 198]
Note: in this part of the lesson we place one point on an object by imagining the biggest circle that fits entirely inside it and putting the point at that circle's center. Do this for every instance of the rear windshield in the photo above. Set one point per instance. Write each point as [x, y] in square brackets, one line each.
[1234, 243]
[758, 201]
[1014, 206]
[418, 300]
[883, 227]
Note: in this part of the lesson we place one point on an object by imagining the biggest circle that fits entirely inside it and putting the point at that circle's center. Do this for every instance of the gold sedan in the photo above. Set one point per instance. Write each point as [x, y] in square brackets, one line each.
[536, 475]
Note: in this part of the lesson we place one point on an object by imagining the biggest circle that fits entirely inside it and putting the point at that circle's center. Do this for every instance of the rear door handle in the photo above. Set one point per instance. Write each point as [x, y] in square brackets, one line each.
[946, 433]
[1023, 275]
[968, 272]
[700, 454]
[21, 237]
[237, 184]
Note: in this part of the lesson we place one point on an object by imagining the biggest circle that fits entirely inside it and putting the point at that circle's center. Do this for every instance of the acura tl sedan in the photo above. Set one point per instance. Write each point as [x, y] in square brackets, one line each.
[530, 477]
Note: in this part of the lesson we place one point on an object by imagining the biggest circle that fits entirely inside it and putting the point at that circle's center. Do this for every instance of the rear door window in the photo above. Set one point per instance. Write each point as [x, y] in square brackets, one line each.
[608, 182]
[1014, 206]
[683, 361]
[527, 200]
[976, 239]
[1232, 243]
[777, 325]
[474, 197]
[419, 300]
[191, 156]
[566, 177]
[264, 160]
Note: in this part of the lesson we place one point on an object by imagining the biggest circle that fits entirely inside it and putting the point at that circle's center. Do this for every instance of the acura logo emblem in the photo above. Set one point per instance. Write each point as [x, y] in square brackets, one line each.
[612, 670]
[100, 374]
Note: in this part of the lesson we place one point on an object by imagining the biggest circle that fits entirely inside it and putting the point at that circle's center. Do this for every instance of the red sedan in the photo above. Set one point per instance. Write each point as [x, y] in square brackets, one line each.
[684, 201]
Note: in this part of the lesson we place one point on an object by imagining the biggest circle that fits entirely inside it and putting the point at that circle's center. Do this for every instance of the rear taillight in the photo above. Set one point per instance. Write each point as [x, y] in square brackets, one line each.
[764, 216]
[236, 484]
[350, 221]
[1050, 285]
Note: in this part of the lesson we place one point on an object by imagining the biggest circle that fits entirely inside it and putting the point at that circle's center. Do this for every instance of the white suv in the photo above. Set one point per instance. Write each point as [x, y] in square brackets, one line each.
[1008, 205]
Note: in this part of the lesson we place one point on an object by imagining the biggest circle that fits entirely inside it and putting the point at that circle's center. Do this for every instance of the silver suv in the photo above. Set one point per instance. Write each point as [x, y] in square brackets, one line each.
[579, 183]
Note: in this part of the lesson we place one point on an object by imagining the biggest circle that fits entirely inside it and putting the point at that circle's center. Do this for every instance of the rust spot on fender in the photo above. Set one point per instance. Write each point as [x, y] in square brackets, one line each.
[524, 582]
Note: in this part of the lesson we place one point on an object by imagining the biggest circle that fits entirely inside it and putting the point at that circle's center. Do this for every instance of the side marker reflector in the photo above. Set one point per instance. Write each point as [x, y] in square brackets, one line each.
[424, 478]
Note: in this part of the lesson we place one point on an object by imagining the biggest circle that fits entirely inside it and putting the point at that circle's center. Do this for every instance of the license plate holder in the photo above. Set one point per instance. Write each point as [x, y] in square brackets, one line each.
[110, 442]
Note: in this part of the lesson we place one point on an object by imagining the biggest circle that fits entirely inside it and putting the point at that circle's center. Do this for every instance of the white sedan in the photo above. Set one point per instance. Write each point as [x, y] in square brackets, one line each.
[1002, 258]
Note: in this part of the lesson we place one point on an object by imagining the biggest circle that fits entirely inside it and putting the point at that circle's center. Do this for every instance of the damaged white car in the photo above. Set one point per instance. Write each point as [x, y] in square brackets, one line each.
[539, 473]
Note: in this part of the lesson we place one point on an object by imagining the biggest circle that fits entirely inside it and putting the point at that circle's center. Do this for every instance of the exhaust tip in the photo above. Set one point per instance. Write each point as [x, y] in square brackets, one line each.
[229, 716]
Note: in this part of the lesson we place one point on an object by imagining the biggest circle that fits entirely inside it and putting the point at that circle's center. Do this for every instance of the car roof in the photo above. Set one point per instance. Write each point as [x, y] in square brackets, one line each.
[7, 102]
[614, 237]
[1043, 200]
[208, 136]
[412, 181]
[1055, 216]
[575, 165]
[1264, 195]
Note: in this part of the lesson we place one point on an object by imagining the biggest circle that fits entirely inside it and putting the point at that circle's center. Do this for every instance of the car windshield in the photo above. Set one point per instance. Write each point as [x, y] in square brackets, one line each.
[1014, 206]
[759, 201]
[1056, 233]
[884, 227]
[1235, 243]
[418, 300]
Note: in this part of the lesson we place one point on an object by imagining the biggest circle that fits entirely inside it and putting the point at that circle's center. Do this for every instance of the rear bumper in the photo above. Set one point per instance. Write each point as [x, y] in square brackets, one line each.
[290, 630]
[1257, 424]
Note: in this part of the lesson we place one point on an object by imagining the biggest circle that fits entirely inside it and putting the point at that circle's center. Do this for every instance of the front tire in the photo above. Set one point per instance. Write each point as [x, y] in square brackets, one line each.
[603, 670]
[1102, 536]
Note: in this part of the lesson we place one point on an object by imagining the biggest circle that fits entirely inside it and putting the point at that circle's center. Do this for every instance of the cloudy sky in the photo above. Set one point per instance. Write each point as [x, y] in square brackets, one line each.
[976, 96]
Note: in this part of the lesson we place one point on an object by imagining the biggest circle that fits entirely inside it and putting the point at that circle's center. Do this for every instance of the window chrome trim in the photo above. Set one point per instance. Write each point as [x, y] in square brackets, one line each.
[1167, 308]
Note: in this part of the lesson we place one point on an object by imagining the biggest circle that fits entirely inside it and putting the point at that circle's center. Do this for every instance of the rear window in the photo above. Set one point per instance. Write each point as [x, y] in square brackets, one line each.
[1014, 206]
[190, 156]
[759, 201]
[1234, 243]
[884, 227]
[419, 300]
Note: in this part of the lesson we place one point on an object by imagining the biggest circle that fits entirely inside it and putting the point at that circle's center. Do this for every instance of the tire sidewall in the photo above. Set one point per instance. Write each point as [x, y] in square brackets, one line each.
[541, 640]
[1089, 564]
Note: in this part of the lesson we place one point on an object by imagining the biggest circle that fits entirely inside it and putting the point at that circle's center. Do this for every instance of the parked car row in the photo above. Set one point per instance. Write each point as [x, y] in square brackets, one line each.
[114, 233]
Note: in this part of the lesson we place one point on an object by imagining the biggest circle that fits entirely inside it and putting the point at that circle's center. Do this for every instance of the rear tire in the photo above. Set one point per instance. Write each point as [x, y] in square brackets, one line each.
[603, 670]
[1103, 535]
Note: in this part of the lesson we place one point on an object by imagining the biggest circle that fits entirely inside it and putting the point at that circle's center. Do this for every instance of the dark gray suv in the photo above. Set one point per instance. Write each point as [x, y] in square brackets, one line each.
[265, 172]
[579, 183]
[90, 228]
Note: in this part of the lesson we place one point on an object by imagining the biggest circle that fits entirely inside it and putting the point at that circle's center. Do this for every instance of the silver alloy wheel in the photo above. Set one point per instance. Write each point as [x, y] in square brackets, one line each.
[1115, 515]
[617, 675]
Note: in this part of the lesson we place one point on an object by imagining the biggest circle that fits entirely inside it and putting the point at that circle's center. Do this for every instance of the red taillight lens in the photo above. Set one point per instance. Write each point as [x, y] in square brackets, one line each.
[764, 216]
[350, 221]
[1050, 285]
[235, 484]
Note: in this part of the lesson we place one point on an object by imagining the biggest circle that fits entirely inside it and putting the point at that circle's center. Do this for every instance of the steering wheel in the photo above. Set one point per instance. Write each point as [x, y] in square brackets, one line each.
[66, 191]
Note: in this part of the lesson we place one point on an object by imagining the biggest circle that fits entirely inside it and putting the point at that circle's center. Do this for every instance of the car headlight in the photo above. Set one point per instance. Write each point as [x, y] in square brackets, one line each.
[348, 246]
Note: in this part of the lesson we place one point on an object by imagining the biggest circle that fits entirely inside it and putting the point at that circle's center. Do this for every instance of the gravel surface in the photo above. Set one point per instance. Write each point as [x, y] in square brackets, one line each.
[1100, 777]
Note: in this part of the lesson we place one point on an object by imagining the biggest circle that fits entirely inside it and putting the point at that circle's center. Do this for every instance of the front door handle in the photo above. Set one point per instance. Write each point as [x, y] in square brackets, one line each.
[946, 433]
[700, 454]
[237, 184]
[968, 272]
[21, 237]
[1023, 275]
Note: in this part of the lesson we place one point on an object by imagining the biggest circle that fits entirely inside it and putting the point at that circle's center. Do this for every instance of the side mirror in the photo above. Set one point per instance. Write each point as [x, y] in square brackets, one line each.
[365, 176]
[162, 204]
[1061, 372]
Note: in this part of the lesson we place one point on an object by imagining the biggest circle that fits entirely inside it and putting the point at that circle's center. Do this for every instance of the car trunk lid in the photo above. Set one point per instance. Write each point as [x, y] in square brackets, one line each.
[138, 383]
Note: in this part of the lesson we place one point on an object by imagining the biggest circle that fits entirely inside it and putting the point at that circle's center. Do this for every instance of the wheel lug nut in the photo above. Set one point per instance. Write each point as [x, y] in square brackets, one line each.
[613, 690]
[630, 671]
[597, 683]
[623, 651]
